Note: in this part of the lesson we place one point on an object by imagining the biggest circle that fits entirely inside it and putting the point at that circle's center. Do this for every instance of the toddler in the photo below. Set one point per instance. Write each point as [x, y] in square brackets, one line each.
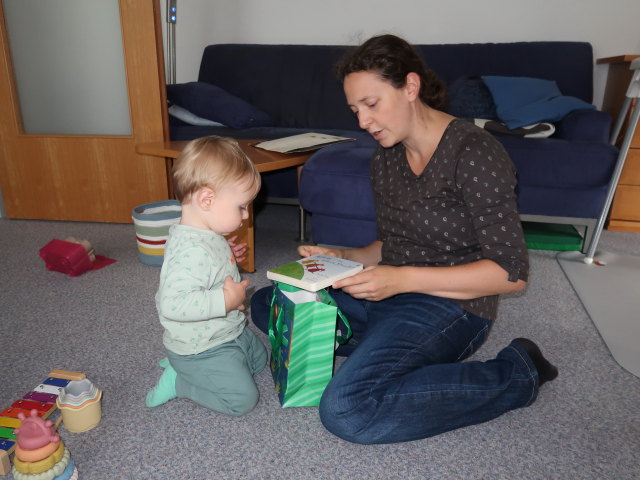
[211, 355]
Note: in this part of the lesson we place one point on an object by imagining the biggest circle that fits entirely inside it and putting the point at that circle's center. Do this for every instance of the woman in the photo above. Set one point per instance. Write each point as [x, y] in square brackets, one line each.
[449, 242]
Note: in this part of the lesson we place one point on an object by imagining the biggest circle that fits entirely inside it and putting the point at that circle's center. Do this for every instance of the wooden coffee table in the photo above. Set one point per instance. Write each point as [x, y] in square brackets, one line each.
[264, 160]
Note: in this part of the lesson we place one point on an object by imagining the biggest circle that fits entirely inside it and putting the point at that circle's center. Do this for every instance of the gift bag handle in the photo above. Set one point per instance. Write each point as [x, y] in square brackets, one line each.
[344, 339]
[275, 341]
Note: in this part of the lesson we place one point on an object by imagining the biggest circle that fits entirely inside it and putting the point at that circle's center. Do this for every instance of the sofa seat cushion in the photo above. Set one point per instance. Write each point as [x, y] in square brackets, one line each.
[554, 202]
[557, 163]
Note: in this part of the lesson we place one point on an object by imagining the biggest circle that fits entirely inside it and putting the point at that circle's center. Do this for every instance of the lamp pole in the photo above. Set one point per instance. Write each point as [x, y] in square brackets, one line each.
[633, 93]
[172, 15]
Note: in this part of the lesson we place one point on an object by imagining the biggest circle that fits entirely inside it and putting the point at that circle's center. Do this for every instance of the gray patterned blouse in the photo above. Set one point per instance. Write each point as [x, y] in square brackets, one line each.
[460, 209]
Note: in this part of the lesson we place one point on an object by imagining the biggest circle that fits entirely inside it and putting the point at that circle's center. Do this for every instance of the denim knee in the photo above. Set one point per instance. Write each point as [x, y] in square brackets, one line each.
[343, 424]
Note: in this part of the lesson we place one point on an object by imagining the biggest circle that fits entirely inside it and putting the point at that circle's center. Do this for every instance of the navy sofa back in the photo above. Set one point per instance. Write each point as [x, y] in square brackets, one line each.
[294, 84]
[297, 87]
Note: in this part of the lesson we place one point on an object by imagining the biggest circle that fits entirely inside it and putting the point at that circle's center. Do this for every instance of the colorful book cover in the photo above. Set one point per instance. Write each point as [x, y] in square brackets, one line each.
[315, 272]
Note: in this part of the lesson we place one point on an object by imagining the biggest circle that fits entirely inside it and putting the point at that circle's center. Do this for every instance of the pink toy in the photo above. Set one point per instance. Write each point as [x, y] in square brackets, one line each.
[34, 432]
[71, 256]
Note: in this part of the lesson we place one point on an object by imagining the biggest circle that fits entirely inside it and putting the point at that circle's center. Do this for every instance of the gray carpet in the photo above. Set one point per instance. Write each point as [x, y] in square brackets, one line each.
[585, 425]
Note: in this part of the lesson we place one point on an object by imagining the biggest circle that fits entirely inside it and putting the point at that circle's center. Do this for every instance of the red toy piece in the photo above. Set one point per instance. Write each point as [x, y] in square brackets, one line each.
[72, 257]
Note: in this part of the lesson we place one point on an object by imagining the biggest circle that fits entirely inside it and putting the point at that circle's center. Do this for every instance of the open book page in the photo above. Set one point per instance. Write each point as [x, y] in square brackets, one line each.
[315, 272]
[301, 143]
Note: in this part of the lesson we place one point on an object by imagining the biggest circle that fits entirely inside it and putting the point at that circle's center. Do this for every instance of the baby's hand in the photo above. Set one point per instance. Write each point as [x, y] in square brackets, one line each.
[239, 250]
[234, 293]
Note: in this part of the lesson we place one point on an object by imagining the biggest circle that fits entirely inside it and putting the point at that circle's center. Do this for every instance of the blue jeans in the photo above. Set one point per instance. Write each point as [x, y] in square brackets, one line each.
[405, 378]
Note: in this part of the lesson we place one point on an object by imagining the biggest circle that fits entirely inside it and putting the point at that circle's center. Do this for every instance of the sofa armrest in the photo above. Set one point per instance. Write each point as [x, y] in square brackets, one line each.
[585, 125]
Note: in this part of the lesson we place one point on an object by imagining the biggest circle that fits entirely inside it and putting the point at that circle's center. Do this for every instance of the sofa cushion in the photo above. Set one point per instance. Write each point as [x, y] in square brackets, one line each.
[523, 101]
[214, 103]
[585, 126]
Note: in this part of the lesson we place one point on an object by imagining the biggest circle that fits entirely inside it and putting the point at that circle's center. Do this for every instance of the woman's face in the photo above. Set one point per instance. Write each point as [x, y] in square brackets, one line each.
[382, 110]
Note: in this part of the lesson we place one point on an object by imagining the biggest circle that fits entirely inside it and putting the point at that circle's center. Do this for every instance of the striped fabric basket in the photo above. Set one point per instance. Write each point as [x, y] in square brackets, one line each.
[152, 222]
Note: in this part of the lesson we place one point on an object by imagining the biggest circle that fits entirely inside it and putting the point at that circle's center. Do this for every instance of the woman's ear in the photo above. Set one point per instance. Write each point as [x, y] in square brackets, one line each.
[412, 85]
[205, 198]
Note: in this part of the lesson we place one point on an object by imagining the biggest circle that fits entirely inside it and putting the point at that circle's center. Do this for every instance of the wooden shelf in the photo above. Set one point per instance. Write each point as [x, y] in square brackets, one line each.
[625, 209]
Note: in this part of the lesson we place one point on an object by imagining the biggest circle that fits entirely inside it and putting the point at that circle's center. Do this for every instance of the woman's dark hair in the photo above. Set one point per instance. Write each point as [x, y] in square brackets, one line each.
[393, 59]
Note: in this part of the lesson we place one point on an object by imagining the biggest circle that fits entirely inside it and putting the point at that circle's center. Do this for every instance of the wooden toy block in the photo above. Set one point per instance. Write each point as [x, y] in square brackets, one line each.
[67, 375]
[5, 464]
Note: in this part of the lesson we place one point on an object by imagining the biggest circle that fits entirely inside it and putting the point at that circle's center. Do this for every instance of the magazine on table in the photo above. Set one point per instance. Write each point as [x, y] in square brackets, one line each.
[304, 142]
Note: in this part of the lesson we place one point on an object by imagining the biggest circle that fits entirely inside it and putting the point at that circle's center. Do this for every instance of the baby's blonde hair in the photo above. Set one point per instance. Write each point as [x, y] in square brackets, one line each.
[212, 162]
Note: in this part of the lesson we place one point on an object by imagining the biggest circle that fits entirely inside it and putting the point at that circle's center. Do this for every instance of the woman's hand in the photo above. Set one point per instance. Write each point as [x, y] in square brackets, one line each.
[308, 250]
[374, 283]
[238, 250]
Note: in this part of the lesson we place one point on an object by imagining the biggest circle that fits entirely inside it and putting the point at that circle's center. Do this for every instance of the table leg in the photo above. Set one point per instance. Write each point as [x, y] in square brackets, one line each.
[302, 225]
[245, 234]
[302, 219]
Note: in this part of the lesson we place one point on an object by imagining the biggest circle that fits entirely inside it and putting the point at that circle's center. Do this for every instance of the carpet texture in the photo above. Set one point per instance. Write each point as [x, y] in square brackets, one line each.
[584, 425]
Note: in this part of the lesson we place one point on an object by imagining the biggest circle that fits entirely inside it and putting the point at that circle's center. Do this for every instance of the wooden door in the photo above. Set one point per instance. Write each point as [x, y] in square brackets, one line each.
[97, 178]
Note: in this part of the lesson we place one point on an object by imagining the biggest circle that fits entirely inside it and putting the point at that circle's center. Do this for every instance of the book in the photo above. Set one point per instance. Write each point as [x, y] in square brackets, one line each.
[315, 272]
[304, 142]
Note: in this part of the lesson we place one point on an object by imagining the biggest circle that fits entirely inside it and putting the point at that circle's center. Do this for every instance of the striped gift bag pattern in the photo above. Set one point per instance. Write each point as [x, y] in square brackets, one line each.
[302, 332]
[152, 222]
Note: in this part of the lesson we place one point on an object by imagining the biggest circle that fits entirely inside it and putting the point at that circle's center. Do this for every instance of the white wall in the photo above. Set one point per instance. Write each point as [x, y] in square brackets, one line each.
[610, 26]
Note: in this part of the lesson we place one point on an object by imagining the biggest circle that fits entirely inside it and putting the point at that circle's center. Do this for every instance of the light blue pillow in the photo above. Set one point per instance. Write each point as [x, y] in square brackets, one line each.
[522, 101]
[187, 117]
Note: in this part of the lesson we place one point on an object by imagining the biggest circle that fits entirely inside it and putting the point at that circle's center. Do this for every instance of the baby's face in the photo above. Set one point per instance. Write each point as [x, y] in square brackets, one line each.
[230, 207]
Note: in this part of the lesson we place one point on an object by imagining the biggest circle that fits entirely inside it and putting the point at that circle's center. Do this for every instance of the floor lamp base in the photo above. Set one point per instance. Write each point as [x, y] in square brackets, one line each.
[609, 289]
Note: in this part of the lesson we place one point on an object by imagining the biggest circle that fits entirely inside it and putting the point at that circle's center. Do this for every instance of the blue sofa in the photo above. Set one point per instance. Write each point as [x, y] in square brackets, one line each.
[270, 91]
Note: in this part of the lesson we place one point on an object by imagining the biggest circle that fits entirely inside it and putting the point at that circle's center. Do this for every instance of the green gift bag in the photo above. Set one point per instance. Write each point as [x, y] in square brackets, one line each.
[303, 334]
